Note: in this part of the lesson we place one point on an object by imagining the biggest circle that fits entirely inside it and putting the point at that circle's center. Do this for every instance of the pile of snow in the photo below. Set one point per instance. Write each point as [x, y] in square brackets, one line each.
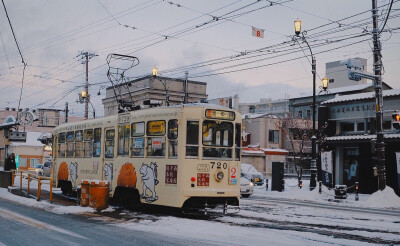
[386, 198]
[380, 199]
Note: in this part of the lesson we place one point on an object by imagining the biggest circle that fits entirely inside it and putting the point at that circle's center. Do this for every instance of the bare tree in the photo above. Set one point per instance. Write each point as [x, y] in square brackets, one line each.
[296, 135]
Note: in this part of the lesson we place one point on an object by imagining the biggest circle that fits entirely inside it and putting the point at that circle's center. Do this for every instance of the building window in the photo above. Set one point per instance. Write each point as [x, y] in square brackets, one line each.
[300, 114]
[34, 162]
[331, 80]
[23, 162]
[308, 112]
[360, 126]
[273, 136]
[347, 127]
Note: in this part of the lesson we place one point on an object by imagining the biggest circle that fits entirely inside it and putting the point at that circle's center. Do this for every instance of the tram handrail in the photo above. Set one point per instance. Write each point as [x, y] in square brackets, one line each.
[30, 176]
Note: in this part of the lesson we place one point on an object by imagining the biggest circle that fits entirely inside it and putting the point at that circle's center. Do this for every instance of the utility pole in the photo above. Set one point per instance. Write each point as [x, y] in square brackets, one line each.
[66, 112]
[87, 56]
[380, 145]
[185, 99]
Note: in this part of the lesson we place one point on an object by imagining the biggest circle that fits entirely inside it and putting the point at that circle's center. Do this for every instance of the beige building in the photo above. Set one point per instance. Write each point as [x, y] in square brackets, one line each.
[262, 143]
[262, 130]
[154, 88]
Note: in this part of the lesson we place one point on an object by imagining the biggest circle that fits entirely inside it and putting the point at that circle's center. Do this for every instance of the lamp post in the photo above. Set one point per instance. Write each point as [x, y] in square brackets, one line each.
[155, 74]
[313, 167]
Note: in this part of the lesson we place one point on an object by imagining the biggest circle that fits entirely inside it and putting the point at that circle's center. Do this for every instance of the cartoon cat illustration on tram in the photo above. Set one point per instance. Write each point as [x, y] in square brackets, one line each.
[149, 180]
[73, 171]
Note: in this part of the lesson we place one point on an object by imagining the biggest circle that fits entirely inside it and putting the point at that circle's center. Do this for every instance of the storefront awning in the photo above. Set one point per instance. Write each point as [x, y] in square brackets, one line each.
[366, 137]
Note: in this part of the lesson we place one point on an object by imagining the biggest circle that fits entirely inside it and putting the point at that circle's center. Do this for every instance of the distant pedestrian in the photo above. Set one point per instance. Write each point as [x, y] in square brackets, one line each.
[10, 163]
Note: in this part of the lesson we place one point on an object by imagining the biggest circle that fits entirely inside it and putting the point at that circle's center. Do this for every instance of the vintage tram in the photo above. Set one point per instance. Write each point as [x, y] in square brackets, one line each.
[183, 156]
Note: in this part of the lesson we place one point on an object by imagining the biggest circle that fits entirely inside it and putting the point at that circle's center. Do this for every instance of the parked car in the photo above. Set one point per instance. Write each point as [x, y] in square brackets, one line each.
[246, 187]
[252, 174]
[36, 169]
[46, 168]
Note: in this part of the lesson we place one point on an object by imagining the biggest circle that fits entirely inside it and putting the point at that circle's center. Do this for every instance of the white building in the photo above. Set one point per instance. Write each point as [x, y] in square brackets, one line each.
[337, 73]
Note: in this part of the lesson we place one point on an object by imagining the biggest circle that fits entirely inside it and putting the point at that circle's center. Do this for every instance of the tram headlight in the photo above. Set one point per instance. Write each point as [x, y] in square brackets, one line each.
[219, 176]
[251, 184]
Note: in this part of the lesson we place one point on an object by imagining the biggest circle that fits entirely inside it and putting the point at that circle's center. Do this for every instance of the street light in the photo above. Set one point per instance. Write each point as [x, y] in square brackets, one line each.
[313, 167]
[297, 27]
[164, 83]
[155, 71]
[325, 83]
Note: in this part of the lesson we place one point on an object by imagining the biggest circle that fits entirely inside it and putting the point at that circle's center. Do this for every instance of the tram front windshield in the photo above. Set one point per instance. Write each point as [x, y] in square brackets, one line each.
[217, 139]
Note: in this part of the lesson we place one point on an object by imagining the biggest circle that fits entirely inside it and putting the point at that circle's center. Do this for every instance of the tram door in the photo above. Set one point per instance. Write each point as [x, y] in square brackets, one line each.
[109, 154]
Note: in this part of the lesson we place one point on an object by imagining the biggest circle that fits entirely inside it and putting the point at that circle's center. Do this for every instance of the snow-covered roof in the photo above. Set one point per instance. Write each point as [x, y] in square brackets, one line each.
[31, 140]
[362, 96]
[361, 137]
[266, 151]
[259, 115]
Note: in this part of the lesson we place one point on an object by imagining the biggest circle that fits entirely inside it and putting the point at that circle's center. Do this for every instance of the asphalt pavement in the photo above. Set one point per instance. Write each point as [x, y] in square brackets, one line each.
[23, 225]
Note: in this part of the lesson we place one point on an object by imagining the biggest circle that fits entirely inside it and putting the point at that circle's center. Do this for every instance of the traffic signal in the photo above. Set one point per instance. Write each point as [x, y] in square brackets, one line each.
[396, 120]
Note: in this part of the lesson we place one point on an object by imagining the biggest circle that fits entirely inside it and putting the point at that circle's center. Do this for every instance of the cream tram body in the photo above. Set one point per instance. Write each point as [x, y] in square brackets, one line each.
[179, 156]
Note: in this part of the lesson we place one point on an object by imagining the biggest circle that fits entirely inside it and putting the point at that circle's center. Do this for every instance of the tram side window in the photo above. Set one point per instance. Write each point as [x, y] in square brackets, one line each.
[97, 142]
[123, 140]
[156, 145]
[238, 141]
[137, 140]
[192, 139]
[70, 144]
[173, 138]
[61, 145]
[219, 136]
[110, 135]
[78, 144]
[88, 144]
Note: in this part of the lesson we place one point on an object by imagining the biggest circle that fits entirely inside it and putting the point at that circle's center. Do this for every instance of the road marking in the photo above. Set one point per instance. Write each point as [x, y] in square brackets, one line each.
[34, 223]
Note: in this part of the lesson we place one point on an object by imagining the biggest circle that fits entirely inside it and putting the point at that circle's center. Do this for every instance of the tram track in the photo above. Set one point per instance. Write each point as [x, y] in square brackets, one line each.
[377, 211]
[335, 231]
[155, 213]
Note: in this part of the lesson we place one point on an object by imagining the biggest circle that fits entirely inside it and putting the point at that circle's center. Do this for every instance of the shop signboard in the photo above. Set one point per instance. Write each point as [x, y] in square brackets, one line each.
[327, 168]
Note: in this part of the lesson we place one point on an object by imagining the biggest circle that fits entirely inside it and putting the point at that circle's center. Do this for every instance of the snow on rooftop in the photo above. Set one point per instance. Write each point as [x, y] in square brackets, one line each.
[31, 140]
[259, 115]
[362, 96]
[361, 137]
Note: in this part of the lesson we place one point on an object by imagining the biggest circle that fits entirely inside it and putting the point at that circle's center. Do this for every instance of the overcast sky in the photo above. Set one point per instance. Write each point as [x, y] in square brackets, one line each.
[213, 37]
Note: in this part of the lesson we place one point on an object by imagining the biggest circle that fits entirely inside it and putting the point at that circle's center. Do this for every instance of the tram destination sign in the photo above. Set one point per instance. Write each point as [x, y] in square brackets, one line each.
[220, 114]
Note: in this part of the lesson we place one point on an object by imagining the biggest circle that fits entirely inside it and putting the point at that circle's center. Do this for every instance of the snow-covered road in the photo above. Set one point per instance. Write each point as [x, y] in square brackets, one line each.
[293, 217]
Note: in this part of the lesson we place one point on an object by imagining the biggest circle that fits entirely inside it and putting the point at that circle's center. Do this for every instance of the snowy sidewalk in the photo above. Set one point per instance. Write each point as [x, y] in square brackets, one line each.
[381, 199]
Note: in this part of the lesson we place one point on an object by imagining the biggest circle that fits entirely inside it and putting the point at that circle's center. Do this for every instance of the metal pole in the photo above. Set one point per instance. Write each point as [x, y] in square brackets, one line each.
[380, 146]
[185, 99]
[66, 112]
[87, 87]
[313, 167]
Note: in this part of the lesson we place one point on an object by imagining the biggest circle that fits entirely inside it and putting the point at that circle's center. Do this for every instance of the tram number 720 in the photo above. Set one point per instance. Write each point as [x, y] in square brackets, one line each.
[219, 165]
